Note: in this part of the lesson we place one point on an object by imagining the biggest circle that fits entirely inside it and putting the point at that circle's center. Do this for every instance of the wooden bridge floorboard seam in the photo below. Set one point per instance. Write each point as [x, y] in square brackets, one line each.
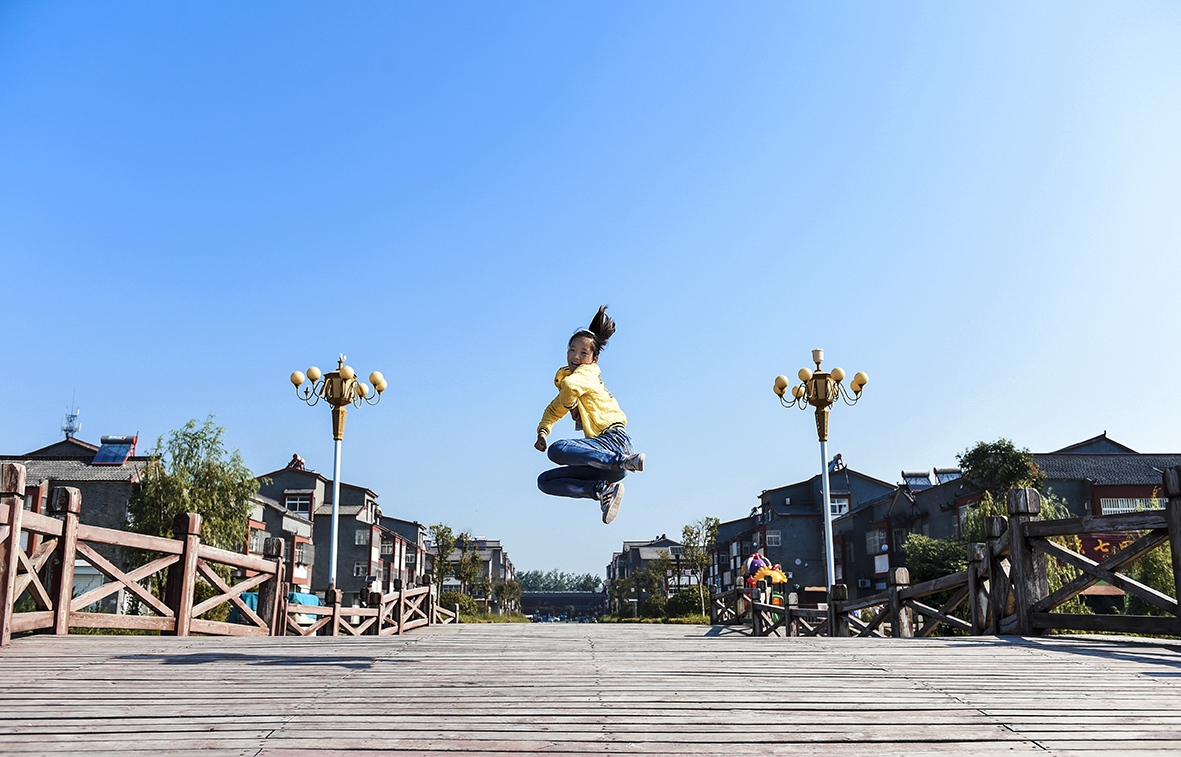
[587, 689]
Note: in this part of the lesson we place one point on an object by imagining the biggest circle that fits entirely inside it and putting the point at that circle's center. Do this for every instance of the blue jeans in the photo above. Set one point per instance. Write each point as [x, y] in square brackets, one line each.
[588, 465]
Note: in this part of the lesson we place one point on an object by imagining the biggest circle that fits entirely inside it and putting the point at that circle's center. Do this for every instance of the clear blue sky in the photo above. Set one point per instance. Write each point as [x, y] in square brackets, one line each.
[976, 203]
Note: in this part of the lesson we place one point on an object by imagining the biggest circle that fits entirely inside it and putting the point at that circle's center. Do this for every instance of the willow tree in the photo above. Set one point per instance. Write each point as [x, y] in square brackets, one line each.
[190, 470]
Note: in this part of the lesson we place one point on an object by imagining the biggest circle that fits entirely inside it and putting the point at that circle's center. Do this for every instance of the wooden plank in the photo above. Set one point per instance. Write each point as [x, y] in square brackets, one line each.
[953, 581]
[121, 622]
[1146, 520]
[582, 689]
[236, 559]
[31, 621]
[1146, 624]
[109, 536]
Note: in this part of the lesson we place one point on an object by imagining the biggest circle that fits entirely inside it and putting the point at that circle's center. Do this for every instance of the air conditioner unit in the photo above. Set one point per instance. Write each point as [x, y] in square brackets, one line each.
[862, 583]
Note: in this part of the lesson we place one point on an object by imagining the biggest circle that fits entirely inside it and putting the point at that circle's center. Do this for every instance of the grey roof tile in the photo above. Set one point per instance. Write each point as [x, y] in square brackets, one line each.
[65, 470]
[1106, 469]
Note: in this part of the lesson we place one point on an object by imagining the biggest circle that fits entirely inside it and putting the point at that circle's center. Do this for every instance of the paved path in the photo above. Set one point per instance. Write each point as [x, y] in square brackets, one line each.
[587, 689]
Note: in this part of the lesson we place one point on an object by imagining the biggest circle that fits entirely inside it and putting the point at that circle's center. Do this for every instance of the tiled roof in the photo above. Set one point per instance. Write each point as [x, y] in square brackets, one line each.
[1106, 470]
[65, 470]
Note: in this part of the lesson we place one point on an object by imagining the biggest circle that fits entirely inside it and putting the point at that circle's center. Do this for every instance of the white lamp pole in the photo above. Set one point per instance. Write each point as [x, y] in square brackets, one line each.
[821, 390]
[339, 389]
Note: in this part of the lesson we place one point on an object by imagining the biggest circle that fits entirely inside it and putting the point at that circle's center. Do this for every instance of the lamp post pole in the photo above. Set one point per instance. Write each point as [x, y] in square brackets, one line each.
[829, 558]
[821, 389]
[339, 389]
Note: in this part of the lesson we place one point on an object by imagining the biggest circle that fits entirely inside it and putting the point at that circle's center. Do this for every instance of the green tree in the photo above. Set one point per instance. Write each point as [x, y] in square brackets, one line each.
[468, 568]
[443, 540]
[585, 582]
[996, 467]
[555, 580]
[660, 568]
[191, 471]
[698, 540]
[507, 593]
[619, 591]
[530, 580]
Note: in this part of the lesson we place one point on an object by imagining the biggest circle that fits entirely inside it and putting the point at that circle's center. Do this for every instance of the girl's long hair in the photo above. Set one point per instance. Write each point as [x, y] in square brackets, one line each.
[601, 329]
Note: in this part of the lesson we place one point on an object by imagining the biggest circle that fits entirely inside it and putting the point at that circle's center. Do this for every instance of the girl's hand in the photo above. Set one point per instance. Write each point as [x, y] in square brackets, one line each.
[539, 445]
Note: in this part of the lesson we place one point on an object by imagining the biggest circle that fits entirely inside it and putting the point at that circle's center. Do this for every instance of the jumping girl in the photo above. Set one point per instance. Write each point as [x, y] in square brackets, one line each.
[594, 467]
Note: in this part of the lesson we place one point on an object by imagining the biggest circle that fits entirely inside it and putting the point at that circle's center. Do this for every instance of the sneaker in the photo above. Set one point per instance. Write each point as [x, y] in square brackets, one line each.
[633, 462]
[609, 501]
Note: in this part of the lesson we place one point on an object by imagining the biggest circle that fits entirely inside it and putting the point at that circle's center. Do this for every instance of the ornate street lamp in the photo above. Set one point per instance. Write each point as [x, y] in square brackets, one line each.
[821, 390]
[339, 389]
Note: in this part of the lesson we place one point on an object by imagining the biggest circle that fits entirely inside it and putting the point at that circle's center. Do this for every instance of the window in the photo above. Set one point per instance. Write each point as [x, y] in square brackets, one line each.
[849, 551]
[256, 539]
[773, 539]
[1115, 505]
[838, 504]
[387, 547]
[362, 536]
[875, 539]
[299, 503]
[360, 569]
[304, 553]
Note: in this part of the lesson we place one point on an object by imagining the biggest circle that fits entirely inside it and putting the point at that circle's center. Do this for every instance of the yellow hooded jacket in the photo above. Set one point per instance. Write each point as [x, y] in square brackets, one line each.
[582, 389]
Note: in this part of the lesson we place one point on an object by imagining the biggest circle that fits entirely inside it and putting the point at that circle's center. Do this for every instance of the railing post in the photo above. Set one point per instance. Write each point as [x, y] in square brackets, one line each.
[400, 617]
[334, 596]
[284, 600]
[793, 607]
[977, 590]
[995, 529]
[1031, 583]
[32, 540]
[68, 501]
[12, 490]
[756, 615]
[182, 575]
[838, 594]
[901, 617]
[1172, 483]
[270, 593]
[374, 602]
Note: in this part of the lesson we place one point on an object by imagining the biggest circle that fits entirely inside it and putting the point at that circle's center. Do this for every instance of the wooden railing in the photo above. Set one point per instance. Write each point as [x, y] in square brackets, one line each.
[1006, 584]
[385, 615]
[43, 569]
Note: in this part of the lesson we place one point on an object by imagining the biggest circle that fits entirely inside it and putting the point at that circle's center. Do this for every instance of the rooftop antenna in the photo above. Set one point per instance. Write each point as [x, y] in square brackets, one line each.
[72, 425]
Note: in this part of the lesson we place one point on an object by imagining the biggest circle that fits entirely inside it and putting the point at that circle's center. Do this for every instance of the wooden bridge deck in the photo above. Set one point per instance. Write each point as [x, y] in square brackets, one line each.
[587, 689]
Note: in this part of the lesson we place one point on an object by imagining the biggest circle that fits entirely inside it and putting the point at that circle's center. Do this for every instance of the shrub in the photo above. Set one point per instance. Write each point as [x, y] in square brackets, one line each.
[685, 602]
[928, 558]
[653, 606]
[467, 605]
